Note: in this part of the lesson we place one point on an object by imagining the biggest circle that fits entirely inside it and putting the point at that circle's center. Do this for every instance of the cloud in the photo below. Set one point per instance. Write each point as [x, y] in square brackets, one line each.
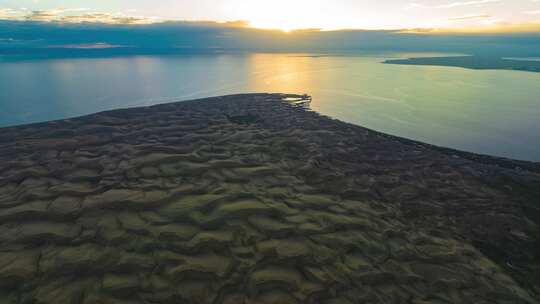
[467, 3]
[8, 13]
[45, 15]
[453, 4]
[105, 18]
[535, 12]
[488, 25]
[74, 15]
[53, 39]
[84, 15]
[470, 17]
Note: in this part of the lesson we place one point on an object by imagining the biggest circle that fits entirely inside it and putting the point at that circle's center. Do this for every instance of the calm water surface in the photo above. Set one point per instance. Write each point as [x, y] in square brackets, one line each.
[489, 112]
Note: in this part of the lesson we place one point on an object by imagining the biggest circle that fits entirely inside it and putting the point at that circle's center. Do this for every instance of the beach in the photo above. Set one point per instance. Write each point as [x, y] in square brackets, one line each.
[256, 199]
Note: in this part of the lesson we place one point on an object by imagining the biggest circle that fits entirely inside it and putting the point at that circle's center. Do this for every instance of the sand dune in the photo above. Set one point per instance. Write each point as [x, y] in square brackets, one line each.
[254, 199]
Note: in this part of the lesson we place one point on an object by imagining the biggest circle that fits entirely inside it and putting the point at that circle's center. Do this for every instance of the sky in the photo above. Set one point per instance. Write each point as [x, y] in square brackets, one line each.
[286, 15]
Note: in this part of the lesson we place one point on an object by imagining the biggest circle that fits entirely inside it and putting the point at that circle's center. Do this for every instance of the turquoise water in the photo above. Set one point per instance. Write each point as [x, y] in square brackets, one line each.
[489, 112]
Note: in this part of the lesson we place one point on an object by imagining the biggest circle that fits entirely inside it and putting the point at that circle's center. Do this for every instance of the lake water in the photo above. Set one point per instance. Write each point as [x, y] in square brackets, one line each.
[489, 112]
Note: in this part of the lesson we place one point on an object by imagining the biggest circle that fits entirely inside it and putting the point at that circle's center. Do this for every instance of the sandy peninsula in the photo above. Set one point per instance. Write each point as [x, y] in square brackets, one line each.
[256, 199]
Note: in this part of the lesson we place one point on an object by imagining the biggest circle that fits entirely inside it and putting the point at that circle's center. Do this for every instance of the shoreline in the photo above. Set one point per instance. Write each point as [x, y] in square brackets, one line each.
[503, 162]
[472, 62]
[253, 198]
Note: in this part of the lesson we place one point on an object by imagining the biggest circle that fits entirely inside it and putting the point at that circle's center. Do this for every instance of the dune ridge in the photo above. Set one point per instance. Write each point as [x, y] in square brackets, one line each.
[255, 199]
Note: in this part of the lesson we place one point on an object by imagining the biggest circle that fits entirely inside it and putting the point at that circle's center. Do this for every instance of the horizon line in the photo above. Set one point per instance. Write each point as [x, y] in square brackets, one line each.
[244, 24]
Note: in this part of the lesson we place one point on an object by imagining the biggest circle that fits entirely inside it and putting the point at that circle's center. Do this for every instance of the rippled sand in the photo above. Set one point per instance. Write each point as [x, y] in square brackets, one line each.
[254, 199]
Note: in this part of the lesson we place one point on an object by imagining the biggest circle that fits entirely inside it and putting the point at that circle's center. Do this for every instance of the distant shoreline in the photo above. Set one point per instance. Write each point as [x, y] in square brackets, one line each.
[475, 62]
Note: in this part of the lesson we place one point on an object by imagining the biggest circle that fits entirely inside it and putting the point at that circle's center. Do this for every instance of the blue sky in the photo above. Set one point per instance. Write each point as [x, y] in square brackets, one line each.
[290, 14]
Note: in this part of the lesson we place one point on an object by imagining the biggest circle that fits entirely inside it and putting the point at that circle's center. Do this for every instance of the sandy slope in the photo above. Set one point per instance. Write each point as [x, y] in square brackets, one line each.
[249, 199]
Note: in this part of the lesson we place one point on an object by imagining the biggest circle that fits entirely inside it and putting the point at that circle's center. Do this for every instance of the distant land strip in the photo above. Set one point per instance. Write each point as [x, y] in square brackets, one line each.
[473, 62]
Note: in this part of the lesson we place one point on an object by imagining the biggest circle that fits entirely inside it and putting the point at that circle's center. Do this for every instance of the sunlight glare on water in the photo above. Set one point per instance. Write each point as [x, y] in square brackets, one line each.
[489, 112]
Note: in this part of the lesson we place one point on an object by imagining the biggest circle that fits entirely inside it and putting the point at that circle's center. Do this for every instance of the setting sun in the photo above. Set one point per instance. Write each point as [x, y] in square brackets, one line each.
[281, 14]
[288, 15]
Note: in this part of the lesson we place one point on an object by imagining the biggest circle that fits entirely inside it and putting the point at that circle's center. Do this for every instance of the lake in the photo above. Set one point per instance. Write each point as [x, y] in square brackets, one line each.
[490, 112]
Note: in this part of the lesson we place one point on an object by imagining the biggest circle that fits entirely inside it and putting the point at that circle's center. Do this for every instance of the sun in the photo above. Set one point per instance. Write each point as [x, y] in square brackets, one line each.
[284, 27]
[284, 15]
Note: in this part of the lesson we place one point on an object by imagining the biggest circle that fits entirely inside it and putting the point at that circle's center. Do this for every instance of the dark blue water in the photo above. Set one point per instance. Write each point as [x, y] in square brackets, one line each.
[489, 112]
